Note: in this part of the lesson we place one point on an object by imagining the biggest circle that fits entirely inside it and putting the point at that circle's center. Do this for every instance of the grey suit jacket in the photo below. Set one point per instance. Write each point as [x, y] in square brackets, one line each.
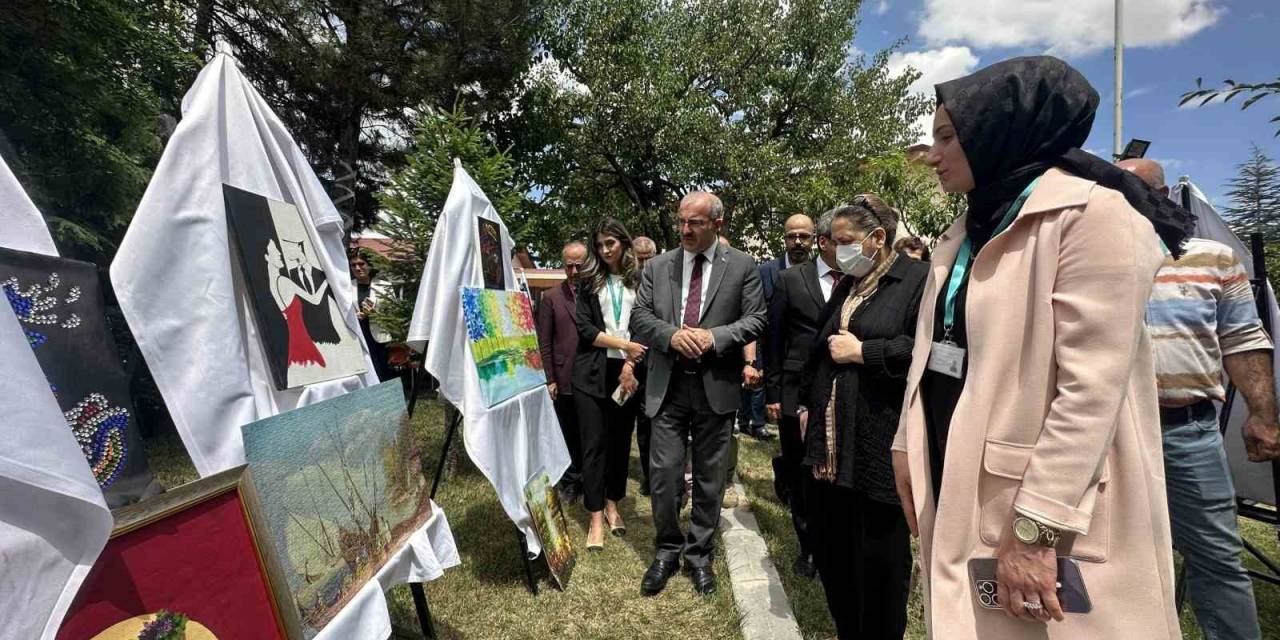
[733, 311]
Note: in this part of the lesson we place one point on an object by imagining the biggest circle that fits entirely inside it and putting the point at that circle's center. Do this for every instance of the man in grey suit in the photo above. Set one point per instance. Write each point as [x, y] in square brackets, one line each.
[698, 306]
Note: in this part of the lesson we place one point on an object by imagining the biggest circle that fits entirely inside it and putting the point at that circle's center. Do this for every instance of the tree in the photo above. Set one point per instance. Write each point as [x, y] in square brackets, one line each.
[912, 189]
[1232, 89]
[634, 103]
[82, 88]
[1255, 197]
[415, 196]
[345, 75]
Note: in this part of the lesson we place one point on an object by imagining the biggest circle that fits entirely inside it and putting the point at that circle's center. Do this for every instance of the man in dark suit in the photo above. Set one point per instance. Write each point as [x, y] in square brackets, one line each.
[558, 341]
[644, 250]
[799, 296]
[697, 307]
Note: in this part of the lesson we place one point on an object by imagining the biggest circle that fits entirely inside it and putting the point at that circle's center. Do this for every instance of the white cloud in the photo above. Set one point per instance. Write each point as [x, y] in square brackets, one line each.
[1139, 91]
[882, 8]
[1065, 28]
[935, 66]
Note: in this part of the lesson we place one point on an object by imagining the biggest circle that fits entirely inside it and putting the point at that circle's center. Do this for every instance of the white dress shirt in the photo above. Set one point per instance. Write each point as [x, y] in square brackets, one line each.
[824, 279]
[687, 271]
[621, 328]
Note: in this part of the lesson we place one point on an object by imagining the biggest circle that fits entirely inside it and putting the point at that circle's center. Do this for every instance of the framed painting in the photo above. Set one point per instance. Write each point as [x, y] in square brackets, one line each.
[492, 264]
[198, 550]
[59, 304]
[504, 342]
[301, 327]
[342, 489]
[553, 530]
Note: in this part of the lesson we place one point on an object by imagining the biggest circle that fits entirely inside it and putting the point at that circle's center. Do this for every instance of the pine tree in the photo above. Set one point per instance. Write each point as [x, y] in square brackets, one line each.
[415, 196]
[1255, 197]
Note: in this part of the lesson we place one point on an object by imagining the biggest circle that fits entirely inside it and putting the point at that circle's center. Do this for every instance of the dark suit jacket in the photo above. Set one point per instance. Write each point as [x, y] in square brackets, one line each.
[558, 336]
[591, 362]
[733, 311]
[769, 273]
[793, 322]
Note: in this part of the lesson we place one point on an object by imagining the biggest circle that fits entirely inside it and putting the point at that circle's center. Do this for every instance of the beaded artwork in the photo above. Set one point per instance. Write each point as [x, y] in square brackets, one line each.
[99, 428]
[35, 306]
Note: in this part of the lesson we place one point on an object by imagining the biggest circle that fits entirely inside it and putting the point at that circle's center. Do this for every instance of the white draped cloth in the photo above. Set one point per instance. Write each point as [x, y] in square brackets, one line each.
[424, 558]
[1252, 480]
[53, 520]
[515, 439]
[173, 273]
[21, 225]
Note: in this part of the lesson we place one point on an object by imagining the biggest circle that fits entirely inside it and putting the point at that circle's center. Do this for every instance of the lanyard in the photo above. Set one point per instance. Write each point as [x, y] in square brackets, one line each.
[960, 270]
[616, 299]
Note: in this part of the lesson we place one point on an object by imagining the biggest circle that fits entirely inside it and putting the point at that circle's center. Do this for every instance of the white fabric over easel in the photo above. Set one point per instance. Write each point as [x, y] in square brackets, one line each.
[1252, 480]
[174, 278]
[21, 225]
[424, 558]
[515, 439]
[53, 520]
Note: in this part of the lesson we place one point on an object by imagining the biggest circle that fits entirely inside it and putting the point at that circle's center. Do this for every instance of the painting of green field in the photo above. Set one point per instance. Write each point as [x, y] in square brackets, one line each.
[553, 530]
[342, 489]
[504, 345]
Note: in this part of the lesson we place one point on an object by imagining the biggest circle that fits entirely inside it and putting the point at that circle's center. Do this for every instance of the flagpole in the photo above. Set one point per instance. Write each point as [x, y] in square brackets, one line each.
[1119, 90]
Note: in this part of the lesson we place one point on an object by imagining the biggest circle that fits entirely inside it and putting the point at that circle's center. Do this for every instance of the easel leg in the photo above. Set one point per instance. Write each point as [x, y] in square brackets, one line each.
[528, 566]
[413, 389]
[424, 614]
[444, 451]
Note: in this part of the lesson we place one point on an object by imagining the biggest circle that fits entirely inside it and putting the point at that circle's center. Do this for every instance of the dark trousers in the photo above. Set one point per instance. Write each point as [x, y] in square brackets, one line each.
[643, 429]
[685, 413]
[606, 442]
[791, 478]
[568, 415]
[862, 550]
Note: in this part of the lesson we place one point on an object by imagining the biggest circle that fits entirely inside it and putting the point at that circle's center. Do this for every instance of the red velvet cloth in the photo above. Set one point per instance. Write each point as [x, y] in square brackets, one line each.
[200, 562]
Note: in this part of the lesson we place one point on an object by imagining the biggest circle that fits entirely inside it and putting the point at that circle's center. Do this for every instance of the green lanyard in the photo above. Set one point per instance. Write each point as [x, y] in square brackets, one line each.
[960, 270]
[616, 298]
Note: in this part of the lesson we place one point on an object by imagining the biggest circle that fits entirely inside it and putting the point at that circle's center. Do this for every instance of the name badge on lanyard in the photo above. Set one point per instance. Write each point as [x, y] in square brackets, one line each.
[945, 356]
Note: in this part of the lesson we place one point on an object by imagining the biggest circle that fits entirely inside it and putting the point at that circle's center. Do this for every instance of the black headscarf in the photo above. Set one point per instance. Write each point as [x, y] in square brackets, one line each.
[1018, 118]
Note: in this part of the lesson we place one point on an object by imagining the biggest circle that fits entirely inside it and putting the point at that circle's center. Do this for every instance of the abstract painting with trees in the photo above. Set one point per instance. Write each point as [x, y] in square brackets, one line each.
[504, 344]
[342, 489]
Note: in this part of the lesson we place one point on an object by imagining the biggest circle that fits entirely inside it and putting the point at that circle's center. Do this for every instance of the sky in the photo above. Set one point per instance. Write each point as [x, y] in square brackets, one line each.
[1168, 44]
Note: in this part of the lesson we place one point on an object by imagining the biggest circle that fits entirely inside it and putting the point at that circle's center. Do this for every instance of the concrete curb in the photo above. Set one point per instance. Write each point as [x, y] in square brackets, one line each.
[757, 587]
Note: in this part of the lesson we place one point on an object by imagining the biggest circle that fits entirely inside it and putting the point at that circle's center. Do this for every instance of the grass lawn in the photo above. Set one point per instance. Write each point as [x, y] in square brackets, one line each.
[485, 597]
[755, 471]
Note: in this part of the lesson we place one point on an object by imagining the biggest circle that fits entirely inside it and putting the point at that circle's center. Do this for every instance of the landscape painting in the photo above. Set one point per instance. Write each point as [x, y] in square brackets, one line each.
[548, 519]
[504, 342]
[342, 489]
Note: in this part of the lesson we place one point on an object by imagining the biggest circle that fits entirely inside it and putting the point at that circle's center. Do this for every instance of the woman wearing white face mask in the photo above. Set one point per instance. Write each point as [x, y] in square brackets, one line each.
[855, 378]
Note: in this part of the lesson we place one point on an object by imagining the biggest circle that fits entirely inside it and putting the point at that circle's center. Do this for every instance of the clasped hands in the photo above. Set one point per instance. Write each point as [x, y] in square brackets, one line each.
[691, 342]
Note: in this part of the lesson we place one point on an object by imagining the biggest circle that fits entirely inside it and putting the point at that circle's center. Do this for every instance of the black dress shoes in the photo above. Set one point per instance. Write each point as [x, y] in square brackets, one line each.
[760, 432]
[703, 579]
[655, 579]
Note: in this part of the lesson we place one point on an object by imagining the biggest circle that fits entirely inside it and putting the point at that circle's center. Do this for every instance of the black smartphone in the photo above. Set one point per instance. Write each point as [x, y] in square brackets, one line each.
[1072, 595]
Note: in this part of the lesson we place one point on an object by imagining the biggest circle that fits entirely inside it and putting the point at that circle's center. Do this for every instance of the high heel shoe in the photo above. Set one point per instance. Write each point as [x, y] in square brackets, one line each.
[597, 544]
[616, 526]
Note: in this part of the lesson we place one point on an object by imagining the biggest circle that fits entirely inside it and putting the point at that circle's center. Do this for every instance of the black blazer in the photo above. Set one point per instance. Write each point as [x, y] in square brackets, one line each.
[873, 391]
[589, 365]
[794, 312]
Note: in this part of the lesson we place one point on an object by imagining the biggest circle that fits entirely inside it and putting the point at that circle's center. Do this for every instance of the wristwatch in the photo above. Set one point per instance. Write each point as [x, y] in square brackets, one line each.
[1029, 531]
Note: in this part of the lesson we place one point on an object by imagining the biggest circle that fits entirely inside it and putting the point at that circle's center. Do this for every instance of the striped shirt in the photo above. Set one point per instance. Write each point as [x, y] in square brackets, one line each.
[1201, 309]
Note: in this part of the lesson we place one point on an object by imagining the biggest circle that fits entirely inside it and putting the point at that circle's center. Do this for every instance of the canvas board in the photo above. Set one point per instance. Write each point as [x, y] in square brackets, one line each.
[503, 341]
[552, 527]
[342, 489]
[291, 299]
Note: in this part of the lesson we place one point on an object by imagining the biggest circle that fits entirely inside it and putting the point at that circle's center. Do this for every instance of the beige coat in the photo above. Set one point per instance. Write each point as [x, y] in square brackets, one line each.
[1058, 417]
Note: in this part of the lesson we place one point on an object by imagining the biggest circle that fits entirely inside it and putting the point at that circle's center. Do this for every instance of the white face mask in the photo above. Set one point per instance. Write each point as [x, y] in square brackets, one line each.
[851, 261]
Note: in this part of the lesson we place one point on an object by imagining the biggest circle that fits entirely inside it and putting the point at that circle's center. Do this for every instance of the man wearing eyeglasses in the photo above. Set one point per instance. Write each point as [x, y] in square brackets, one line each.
[558, 337]
[697, 308]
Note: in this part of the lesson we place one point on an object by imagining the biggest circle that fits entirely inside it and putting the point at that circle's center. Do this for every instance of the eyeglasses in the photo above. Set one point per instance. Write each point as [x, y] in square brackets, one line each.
[573, 265]
[693, 223]
[798, 237]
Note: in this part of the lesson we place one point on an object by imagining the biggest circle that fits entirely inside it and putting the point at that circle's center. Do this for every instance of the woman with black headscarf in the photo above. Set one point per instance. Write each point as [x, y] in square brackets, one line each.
[1030, 432]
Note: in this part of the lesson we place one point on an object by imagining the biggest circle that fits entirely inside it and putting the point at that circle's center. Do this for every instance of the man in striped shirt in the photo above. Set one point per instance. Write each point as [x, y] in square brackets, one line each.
[1203, 319]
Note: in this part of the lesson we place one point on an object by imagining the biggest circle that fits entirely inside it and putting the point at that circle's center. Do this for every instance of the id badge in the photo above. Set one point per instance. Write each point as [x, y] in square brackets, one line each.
[946, 358]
